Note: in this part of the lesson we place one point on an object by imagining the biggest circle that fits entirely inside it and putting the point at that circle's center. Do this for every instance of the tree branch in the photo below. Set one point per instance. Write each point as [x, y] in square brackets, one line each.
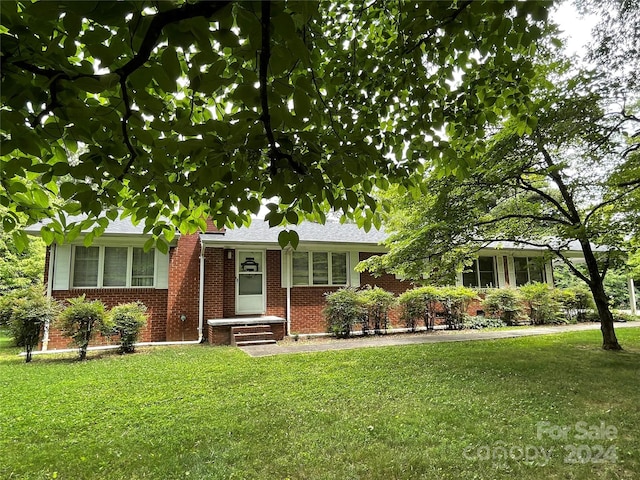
[275, 153]
[125, 131]
[530, 188]
[149, 42]
[443, 22]
[160, 20]
[544, 218]
[572, 211]
[635, 184]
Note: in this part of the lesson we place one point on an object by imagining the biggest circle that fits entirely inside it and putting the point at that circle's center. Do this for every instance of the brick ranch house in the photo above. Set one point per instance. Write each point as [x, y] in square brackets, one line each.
[214, 284]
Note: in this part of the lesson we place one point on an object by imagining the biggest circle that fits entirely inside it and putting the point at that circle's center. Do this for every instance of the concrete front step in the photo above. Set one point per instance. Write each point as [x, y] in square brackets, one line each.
[243, 337]
[251, 329]
[248, 343]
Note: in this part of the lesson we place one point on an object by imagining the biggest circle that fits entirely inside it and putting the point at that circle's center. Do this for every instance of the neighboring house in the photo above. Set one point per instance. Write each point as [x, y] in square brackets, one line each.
[211, 282]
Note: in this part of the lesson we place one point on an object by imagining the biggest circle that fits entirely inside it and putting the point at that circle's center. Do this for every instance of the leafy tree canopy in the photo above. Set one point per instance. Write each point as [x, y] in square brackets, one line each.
[572, 182]
[174, 111]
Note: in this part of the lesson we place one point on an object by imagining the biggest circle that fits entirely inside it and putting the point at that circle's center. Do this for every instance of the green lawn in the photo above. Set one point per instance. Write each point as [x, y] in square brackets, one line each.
[423, 411]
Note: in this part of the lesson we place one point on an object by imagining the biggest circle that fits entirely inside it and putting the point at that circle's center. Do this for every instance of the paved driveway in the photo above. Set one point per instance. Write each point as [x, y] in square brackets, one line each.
[325, 344]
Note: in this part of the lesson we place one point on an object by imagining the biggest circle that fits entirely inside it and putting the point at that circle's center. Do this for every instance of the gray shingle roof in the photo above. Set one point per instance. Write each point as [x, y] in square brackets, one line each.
[330, 232]
[115, 227]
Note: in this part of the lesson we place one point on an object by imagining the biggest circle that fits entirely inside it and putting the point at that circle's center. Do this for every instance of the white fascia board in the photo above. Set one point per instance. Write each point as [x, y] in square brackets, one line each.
[302, 246]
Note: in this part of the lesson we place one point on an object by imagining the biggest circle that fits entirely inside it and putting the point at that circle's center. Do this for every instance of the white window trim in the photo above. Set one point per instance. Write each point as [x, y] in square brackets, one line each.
[476, 262]
[529, 261]
[329, 254]
[100, 281]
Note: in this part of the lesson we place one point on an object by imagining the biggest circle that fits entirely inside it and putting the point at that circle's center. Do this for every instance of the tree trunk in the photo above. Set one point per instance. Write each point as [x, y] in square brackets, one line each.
[609, 339]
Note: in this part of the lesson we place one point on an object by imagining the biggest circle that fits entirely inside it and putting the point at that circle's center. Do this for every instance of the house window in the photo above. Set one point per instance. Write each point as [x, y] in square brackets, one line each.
[481, 273]
[85, 266]
[142, 268]
[319, 268]
[97, 267]
[529, 270]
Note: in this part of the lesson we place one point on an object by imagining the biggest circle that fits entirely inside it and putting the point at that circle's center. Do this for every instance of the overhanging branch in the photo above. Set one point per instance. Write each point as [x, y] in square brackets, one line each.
[149, 43]
[275, 153]
[544, 218]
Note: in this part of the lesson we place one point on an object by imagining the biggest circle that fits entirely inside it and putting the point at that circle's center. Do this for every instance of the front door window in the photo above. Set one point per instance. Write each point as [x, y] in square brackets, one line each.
[250, 277]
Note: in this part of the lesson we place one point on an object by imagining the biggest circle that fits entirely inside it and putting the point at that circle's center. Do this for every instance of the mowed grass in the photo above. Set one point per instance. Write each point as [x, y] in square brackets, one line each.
[423, 411]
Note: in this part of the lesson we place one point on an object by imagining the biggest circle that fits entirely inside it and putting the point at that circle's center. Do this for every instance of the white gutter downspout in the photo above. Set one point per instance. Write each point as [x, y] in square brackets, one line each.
[52, 258]
[287, 253]
[201, 297]
[632, 296]
[288, 308]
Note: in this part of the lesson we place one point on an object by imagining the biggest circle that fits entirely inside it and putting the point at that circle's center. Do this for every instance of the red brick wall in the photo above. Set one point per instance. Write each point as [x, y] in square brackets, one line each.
[154, 299]
[387, 281]
[306, 309]
[214, 264]
[184, 284]
[276, 295]
[390, 283]
[229, 275]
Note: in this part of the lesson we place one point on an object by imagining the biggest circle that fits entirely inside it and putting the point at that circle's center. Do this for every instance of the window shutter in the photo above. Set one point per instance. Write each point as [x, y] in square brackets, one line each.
[162, 270]
[502, 281]
[512, 272]
[285, 272]
[62, 267]
[354, 259]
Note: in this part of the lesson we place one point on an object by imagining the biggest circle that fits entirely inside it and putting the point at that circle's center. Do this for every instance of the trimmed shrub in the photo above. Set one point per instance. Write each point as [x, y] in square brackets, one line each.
[543, 303]
[455, 301]
[584, 302]
[479, 322]
[29, 314]
[619, 316]
[126, 320]
[376, 303]
[506, 303]
[80, 320]
[344, 309]
[419, 304]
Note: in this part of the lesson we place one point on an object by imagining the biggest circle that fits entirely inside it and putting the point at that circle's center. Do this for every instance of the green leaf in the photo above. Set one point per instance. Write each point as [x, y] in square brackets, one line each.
[294, 239]
[47, 235]
[171, 63]
[302, 103]
[41, 198]
[148, 245]
[162, 246]
[292, 217]
[283, 238]
[20, 239]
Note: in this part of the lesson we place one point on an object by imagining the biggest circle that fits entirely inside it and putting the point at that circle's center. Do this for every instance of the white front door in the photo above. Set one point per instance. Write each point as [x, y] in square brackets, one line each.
[250, 282]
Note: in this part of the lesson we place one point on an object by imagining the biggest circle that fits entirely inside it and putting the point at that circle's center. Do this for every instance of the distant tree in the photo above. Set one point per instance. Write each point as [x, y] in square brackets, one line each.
[206, 108]
[20, 269]
[615, 44]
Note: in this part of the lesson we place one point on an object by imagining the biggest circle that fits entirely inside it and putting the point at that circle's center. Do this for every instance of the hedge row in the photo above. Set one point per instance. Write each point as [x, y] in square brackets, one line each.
[27, 314]
[536, 303]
